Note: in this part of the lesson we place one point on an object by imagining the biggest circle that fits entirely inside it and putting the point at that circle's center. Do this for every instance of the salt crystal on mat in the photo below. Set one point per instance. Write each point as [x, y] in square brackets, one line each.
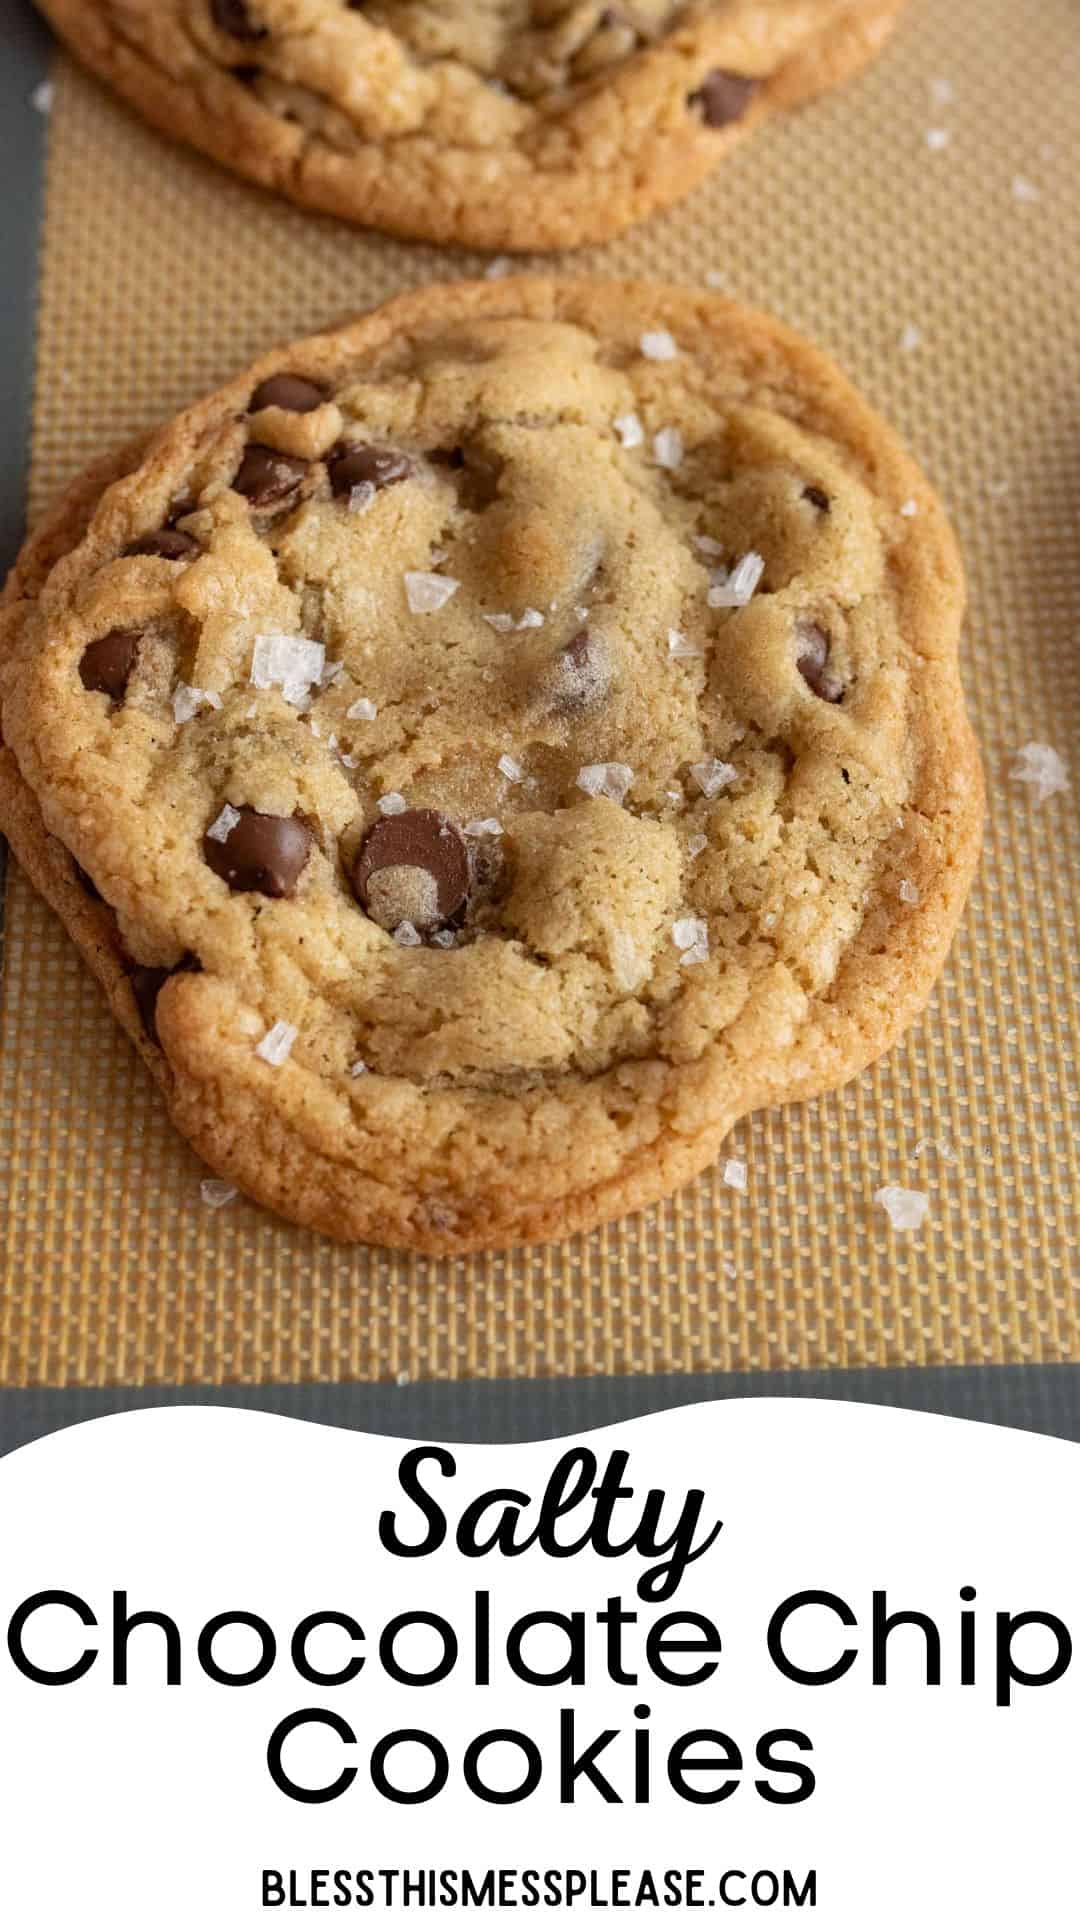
[362, 709]
[42, 97]
[429, 592]
[659, 345]
[610, 778]
[216, 1193]
[277, 1043]
[630, 430]
[906, 1208]
[712, 776]
[1042, 769]
[937, 138]
[910, 338]
[406, 935]
[942, 92]
[509, 768]
[668, 448]
[1025, 191]
[734, 1175]
[288, 661]
[714, 279]
[392, 803]
[738, 588]
[227, 819]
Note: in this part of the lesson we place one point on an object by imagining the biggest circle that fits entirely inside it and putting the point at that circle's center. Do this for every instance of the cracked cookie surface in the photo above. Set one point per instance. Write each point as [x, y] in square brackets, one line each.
[500, 123]
[487, 749]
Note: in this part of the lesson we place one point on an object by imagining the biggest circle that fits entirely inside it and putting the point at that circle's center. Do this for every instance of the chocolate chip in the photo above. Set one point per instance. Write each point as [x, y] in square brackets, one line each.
[580, 673]
[817, 498]
[723, 97]
[812, 660]
[266, 477]
[290, 392]
[412, 866]
[106, 663]
[167, 544]
[146, 984]
[234, 17]
[264, 853]
[352, 465]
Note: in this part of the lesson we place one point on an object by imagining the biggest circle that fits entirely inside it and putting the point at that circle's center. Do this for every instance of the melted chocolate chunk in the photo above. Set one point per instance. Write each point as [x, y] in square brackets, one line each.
[235, 18]
[107, 663]
[350, 465]
[266, 477]
[264, 853]
[812, 660]
[412, 866]
[167, 544]
[723, 97]
[817, 498]
[290, 392]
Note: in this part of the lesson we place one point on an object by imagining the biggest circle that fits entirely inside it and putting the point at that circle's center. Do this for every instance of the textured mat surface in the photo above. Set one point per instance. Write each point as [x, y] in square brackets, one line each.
[160, 277]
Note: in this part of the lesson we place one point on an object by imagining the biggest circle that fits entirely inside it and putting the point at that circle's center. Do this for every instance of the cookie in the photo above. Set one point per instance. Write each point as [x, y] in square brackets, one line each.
[485, 750]
[530, 125]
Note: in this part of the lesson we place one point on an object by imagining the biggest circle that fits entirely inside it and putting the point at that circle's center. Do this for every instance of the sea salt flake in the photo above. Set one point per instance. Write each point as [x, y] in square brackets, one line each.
[362, 496]
[477, 828]
[909, 509]
[501, 622]
[659, 345]
[406, 935]
[715, 280]
[216, 1193]
[350, 760]
[705, 543]
[909, 893]
[907, 1209]
[734, 1175]
[429, 592]
[331, 673]
[682, 648]
[1024, 191]
[391, 803]
[937, 138]
[942, 92]
[531, 617]
[498, 268]
[362, 709]
[910, 338]
[712, 776]
[627, 964]
[227, 819]
[186, 701]
[690, 932]
[668, 448]
[696, 844]
[630, 431]
[1042, 769]
[289, 661]
[610, 779]
[444, 938]
[277, 1043]
[737, 588]
[42, 97]
[358, 1067]
[510, 768]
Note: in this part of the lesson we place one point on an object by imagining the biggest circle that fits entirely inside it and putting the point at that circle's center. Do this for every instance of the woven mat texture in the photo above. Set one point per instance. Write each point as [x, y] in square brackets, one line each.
[161, 276]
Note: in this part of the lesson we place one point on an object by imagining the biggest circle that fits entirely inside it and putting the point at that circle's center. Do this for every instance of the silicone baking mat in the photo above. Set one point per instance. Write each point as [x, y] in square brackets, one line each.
[924, 225]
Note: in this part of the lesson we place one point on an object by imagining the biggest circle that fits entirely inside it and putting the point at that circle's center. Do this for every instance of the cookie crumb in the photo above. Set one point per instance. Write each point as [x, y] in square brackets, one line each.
[429, 592]
[906, 1207]
[659, 345]
[277, 1043]
[216, 1193]
[1042, 769]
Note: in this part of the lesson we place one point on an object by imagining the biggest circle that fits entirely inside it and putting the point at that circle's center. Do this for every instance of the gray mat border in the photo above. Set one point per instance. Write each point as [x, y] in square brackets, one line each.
[1043, 1399]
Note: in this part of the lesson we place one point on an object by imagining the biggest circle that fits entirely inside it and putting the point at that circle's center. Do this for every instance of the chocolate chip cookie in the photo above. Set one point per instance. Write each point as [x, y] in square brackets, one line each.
[493, 123]
[487, 749]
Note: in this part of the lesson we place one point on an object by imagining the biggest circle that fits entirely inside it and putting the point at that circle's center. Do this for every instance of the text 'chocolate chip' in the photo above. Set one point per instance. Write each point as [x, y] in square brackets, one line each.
[723, 97]
[263, 853]
[289, 392]
[106, 663]
[412, 866]
[266, 477]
